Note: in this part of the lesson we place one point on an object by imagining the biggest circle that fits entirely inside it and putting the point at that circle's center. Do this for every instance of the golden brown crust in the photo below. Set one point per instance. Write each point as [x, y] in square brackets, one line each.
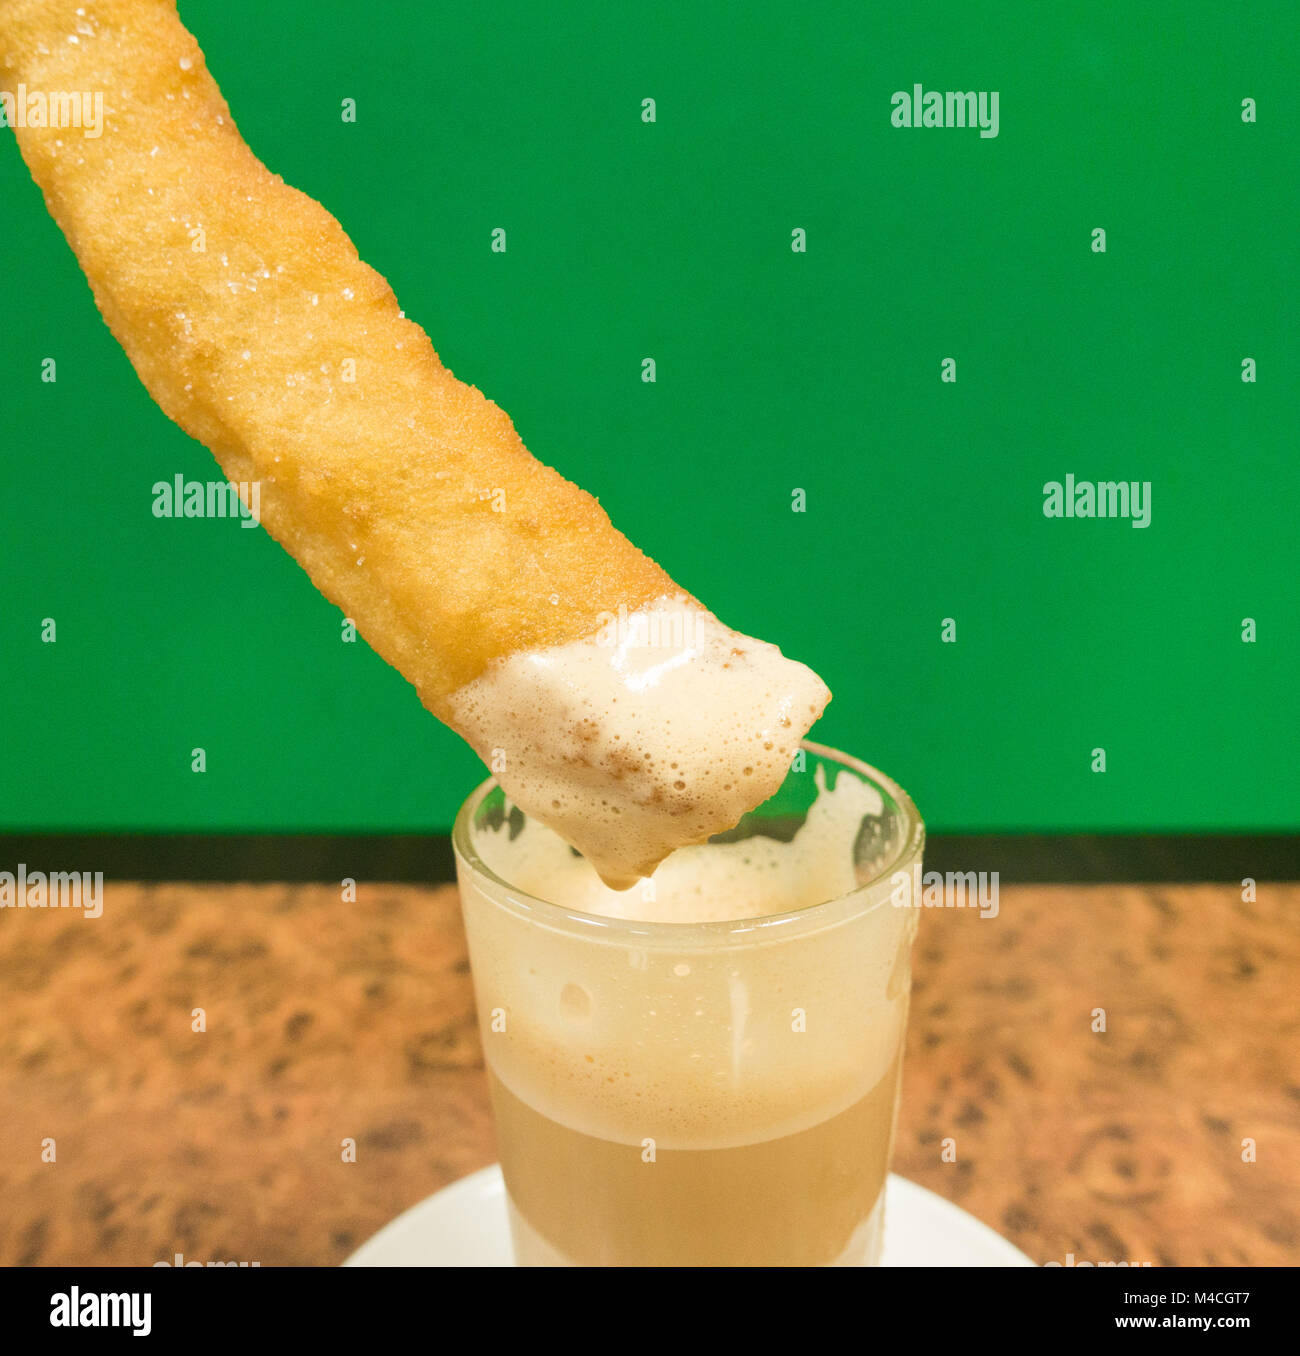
[406, 495]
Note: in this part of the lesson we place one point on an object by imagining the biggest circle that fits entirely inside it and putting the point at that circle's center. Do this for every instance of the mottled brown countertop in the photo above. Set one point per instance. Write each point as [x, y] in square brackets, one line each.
[329, 1020]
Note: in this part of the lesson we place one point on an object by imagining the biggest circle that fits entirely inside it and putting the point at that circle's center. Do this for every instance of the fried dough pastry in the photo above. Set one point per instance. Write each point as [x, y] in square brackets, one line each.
[240, 300]
[406, 494]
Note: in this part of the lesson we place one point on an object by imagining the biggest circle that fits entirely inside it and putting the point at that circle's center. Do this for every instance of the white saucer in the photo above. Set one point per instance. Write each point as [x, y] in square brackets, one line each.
[464, 1225]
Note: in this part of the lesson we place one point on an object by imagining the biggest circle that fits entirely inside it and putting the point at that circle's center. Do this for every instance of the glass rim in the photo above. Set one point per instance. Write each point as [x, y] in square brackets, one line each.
[774, 926]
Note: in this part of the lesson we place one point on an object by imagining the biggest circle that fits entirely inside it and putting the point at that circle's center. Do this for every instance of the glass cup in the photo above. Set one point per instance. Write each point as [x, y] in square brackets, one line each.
[698, 1094]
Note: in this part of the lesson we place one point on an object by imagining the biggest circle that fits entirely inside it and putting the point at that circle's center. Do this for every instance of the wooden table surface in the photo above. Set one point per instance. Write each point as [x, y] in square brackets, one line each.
[328, 1021]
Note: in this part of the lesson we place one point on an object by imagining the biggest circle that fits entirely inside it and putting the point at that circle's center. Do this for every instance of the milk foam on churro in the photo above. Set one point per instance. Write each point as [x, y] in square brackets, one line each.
[659, 730]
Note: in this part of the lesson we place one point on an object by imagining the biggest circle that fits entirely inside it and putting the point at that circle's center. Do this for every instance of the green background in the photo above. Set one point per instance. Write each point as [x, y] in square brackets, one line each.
[775, 371]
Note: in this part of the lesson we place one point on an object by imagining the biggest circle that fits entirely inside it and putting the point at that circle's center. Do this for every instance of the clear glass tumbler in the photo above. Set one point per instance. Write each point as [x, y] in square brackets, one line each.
[698, 1094]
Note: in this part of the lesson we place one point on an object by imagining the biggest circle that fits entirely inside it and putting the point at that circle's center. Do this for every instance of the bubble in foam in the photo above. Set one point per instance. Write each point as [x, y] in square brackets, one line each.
[575, 1002]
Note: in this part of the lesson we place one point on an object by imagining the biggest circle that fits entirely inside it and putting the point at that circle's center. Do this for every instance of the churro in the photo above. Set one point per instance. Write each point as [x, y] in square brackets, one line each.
[500, 590]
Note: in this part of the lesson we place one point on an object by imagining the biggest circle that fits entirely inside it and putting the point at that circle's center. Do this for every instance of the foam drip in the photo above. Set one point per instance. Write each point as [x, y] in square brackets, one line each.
[711, 882]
